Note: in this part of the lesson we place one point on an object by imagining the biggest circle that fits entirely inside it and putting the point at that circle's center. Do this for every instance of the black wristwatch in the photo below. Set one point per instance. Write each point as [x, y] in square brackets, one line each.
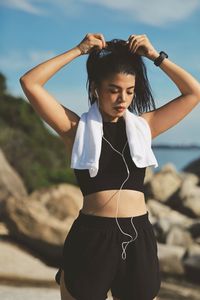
[160, 58]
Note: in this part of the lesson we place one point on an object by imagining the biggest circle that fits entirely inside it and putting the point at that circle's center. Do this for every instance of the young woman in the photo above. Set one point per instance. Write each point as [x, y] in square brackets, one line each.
[93, 261]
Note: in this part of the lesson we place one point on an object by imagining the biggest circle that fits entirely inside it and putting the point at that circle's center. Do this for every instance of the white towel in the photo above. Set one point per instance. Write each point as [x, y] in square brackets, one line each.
[88, 140]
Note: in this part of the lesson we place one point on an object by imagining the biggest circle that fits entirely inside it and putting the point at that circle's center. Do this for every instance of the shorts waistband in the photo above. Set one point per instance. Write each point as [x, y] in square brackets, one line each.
[102, 221]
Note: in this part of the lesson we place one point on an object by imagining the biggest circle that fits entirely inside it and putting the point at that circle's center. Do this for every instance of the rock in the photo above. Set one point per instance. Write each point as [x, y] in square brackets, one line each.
[178, 236]
[148, 175]
[165, 219]
[194, 229]
[163, 212]
[3, 229]
[164, 183]
[178, 289]
[61, 200]
[193, 249]
[189, 194]
[170, 258]
[191, 262]
[193, 167]
[162, 227]
[10, 182]
[190, 178]
[16, 264]
[197, 241]
[34, 224]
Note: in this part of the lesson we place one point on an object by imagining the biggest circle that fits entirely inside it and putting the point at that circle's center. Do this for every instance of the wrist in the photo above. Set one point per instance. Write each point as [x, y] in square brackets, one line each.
[83, 48]
[77, 50]
[154, 55]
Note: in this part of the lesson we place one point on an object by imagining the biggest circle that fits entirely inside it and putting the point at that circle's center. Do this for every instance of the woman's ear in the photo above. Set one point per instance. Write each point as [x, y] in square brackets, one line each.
[94, 90]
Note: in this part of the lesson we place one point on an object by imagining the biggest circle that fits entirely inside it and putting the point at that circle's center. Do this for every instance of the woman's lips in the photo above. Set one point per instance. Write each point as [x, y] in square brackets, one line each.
[119, 108]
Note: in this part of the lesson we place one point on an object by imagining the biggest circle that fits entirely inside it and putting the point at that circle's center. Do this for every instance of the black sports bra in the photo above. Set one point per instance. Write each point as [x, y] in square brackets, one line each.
[112, 169]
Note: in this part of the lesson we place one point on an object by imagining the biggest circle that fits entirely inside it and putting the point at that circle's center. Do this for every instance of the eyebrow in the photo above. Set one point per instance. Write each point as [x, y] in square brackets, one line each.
[116, 86]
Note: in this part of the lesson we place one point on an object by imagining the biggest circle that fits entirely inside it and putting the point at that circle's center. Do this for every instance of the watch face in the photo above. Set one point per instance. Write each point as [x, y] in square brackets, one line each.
[164, 54]
[160, 58]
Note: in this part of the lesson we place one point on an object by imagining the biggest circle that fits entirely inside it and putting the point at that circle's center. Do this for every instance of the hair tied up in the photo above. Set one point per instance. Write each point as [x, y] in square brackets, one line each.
[117, 58]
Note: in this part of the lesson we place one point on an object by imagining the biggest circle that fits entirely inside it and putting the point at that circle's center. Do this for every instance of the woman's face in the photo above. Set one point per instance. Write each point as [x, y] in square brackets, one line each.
[115, 95]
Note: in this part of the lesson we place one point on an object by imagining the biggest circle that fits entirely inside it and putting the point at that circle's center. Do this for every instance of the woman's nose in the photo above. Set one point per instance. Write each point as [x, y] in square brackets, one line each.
[122, 96]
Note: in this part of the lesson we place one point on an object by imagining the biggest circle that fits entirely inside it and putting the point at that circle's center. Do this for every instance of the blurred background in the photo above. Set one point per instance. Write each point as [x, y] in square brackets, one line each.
[39, 197]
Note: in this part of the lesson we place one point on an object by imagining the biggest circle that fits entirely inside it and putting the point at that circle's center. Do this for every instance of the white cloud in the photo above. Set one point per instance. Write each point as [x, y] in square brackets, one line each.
[52, 7]
[24, 5]
[154, 12]
[16, 61]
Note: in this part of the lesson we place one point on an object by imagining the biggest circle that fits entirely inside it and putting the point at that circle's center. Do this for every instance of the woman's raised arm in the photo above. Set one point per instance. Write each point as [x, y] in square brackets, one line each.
[60, 118]
[168, 115]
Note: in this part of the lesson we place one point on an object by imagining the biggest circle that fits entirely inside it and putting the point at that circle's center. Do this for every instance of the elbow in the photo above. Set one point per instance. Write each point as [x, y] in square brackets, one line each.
[196, 97]
[193, 97]
[22, 81]
[25, 83]
[196, 94]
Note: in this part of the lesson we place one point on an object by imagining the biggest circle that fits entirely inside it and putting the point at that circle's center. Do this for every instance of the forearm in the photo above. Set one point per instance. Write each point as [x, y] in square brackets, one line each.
[44, 71]
[185, 82]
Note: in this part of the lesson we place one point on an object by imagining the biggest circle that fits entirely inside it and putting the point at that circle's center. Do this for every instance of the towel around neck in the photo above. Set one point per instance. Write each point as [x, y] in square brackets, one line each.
[88, 141]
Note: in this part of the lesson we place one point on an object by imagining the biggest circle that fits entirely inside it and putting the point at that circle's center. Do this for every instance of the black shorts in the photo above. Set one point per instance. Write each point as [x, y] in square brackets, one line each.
[93, 264]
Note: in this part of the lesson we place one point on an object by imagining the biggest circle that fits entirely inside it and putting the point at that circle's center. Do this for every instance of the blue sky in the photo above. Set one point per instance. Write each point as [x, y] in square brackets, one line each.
[33, 31]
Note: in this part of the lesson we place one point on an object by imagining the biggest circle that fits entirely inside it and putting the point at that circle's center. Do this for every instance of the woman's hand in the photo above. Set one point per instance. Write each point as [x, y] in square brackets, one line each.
[90, 41]
[141, 45]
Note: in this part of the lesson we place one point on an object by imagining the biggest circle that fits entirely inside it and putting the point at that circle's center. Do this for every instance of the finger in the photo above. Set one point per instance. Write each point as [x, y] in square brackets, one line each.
[135, 42]
[139, 44]
[91, 36]
[136, 35]
[130, 39]
[132, 42]
[94, 40]
[97, 43]
[101, 37]
[131, 36]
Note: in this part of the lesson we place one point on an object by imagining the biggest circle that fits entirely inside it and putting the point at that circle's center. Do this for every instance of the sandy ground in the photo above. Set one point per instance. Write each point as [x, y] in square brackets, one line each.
[27, 278]
[30, 293]
[168, 292]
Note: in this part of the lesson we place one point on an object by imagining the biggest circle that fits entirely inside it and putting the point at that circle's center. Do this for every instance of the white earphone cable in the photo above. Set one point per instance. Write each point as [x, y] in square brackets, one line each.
[128, 173]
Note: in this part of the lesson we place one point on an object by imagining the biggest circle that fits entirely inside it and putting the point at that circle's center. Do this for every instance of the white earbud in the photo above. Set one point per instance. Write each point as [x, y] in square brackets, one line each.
[96, 93]
[97, 97]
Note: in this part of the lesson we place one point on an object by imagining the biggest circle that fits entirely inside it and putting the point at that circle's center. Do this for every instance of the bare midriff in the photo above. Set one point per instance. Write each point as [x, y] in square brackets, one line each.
[104, 203]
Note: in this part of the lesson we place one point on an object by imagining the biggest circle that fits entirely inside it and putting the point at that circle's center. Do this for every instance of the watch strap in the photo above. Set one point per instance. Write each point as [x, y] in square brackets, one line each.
[160, 58]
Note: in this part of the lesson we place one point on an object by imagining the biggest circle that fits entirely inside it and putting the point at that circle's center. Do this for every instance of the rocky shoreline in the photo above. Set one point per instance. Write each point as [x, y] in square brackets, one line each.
[33, 228]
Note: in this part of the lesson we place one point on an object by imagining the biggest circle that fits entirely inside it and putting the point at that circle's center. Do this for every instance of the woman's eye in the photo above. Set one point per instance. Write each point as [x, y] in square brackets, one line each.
[115, 91]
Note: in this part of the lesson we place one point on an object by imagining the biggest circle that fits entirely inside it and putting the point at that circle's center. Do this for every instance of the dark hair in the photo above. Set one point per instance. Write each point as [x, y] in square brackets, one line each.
[117, 58]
